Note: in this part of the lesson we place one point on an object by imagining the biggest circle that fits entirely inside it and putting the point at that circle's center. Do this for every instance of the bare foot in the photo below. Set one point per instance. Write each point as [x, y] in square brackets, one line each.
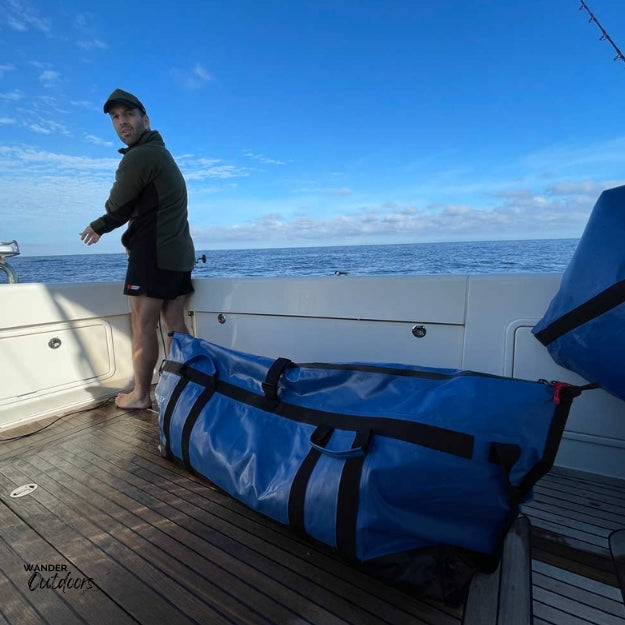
[132, 402]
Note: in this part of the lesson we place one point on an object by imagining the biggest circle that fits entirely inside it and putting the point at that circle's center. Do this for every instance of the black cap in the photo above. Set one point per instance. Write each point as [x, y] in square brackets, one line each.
[120, 96]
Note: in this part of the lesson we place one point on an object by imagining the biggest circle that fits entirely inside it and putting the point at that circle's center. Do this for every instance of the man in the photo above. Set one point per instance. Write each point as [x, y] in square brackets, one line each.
[150, 195]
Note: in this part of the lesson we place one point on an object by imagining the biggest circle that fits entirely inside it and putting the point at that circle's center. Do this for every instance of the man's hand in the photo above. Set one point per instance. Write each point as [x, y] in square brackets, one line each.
[89, 236]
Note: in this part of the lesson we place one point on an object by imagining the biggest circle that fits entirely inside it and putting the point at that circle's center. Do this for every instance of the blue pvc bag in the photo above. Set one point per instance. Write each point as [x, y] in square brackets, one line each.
[584, 325]
[414, 474]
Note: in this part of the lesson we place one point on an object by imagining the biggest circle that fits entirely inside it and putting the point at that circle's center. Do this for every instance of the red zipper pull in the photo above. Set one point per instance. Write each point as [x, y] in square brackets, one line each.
[558, 386]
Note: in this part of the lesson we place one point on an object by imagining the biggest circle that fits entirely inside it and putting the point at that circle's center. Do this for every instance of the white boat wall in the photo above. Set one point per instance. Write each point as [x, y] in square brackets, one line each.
[66, 346]
[61, 346]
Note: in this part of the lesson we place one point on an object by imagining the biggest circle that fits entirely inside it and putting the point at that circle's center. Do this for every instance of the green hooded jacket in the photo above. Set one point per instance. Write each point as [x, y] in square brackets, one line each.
[150, 195]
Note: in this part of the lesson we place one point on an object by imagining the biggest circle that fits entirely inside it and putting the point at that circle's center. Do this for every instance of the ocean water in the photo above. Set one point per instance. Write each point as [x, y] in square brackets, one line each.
[542, 256]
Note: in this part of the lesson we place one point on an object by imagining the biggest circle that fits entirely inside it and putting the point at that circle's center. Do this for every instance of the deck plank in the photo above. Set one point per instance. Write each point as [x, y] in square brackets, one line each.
[117, 570]
[573, 515]
[582, 515]
[20, 547]
[574, 587]
[23, 439]
[558, 593]
[617, 549]
[572, 608]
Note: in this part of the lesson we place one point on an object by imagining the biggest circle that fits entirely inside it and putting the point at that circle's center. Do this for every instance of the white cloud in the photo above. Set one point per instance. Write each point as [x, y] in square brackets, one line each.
[21, 16]
[572, 156]
[92, 44]
[327, 190]
[47, 127]
[12, 96]
[205, 162]
[525, 216]
[513, 193]
[7, 121]
[49, 103]
[16, 24]
[6, 68]
[87, 26]
[581, 187]
[217, 171]
[33, 179]
[198, 168]
[47, 196]
[97, 140]
[201, 73]
[57, 209]
[49, 78]
[191, 79]
[85, 104]
[26, 161]
[263, 159]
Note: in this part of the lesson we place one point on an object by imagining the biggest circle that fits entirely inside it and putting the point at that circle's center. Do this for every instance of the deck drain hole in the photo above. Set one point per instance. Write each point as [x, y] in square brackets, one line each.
[26, 489]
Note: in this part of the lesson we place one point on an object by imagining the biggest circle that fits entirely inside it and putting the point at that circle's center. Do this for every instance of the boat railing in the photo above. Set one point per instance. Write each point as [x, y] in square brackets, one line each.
[8, 249]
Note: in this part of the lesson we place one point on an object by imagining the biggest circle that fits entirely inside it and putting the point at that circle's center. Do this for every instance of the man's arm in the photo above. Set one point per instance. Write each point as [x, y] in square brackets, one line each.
[128, 185]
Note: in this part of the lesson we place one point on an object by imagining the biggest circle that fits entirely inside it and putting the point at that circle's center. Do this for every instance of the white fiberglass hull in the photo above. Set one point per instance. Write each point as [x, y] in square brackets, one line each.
[66, 345]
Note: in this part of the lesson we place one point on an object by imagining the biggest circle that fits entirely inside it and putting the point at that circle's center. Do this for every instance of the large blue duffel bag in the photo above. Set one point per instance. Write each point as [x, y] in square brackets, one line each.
[414, 474]
[584, 325]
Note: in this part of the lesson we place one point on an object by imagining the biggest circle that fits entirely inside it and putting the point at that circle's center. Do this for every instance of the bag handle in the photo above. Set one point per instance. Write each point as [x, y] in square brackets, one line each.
[270, 385]
[359, 447]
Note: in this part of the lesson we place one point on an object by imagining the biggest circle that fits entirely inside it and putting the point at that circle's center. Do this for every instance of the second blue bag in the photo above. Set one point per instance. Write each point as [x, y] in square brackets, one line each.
[414, 474]
[584, 325]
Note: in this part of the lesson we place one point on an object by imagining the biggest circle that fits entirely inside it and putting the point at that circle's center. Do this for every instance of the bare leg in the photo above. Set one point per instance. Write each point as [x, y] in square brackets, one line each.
[144, 314]
[173, 316]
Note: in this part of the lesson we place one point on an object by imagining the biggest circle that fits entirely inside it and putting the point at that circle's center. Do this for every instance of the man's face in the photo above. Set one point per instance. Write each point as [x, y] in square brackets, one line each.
[129, 123]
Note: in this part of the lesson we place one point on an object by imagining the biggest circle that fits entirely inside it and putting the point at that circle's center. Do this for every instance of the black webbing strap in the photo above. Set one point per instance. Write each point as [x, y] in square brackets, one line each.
[169, 411]
[270, 385]
[187, 374]
[348, 498]
[554, 436]
[506, 455]
[594, 307]
[431, 436]
[189, 422]
[297, 494]
[424, 434]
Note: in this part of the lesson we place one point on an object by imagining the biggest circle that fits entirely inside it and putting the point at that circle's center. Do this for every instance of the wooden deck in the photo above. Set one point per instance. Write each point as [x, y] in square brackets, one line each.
[141, 541]
[575, 580]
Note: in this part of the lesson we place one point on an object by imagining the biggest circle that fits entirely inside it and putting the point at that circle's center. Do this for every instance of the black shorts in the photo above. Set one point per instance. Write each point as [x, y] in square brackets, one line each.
[146, 279]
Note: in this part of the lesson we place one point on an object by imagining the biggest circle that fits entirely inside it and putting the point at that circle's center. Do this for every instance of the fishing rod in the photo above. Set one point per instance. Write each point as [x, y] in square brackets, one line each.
[604, 35]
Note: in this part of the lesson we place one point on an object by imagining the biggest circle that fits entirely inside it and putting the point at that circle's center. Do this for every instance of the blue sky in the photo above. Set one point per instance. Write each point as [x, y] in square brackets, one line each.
[316, 122]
